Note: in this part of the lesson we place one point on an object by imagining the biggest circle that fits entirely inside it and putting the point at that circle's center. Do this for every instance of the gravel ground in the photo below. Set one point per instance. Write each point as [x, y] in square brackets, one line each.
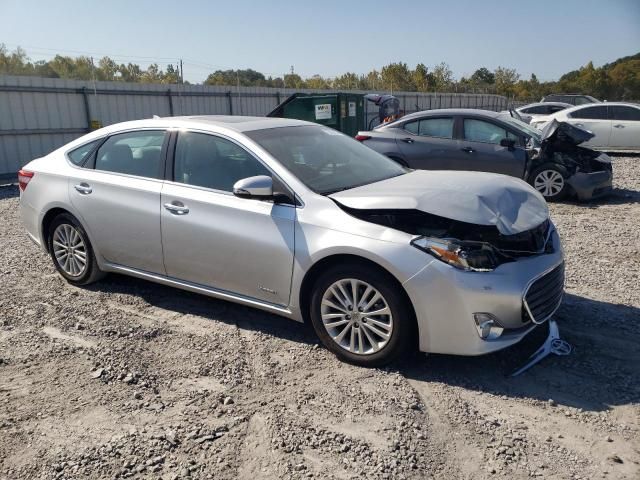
[132, 379]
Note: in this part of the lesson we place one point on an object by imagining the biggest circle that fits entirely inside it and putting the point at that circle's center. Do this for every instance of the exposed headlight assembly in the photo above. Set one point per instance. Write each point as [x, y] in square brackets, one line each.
[468, 256]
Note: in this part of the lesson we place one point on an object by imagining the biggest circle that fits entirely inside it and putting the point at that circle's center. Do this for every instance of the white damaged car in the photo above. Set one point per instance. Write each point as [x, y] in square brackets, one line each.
[299, 220]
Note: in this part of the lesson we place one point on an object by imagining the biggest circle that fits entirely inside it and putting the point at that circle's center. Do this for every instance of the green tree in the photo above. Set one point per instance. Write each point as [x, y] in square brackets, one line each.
[397, 77]
[420, 77]
[441, 77]
[505, 80]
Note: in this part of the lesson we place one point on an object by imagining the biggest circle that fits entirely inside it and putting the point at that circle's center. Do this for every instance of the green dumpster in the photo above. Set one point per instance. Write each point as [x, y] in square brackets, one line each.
[342, 111]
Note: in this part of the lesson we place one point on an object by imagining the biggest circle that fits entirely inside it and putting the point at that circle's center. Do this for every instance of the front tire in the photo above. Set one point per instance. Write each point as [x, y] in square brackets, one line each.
[360, 314]
[550, 180]
[71, 251]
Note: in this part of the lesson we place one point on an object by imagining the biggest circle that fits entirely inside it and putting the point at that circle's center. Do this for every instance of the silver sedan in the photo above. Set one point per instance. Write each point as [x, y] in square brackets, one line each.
[299, 220]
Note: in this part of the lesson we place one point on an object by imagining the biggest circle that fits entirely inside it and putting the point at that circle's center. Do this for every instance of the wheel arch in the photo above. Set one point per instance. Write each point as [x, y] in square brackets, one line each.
[329, 261]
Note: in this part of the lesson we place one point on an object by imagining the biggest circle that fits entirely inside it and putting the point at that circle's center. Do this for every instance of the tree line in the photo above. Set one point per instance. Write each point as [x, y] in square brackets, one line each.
[619, 80]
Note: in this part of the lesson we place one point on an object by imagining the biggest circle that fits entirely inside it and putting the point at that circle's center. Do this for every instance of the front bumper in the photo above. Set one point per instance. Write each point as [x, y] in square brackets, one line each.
[591, 185]
[445, 299]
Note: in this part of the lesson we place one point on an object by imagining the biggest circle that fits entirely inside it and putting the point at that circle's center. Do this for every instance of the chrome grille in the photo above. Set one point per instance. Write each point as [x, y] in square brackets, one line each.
[544, 296]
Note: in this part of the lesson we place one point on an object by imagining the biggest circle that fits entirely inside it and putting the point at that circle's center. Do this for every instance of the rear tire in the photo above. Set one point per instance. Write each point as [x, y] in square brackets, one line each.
[344, 322]
[550, 179]
[71, 251]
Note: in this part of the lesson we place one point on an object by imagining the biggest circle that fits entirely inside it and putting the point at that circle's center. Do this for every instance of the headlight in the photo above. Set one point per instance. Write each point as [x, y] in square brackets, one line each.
[469, 256]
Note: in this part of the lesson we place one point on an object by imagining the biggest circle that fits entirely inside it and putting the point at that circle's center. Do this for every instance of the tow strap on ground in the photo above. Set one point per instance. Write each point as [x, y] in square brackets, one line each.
[553, 344]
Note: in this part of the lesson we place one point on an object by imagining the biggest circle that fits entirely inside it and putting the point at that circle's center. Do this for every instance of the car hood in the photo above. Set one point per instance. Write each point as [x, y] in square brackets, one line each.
[556, 131]
[472, 197]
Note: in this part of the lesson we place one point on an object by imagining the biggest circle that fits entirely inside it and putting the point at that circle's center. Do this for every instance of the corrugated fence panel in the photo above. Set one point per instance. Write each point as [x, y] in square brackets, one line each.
[38, 115]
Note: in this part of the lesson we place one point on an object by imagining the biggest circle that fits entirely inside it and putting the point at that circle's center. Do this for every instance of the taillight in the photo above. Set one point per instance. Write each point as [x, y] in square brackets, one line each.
[362, 138]
[24, 177]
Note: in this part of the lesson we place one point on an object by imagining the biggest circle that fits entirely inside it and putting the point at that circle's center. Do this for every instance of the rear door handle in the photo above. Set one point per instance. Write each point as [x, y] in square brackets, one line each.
[407, 140]
[83, 188]
[177, 208]
[467, 149]
[618, 126]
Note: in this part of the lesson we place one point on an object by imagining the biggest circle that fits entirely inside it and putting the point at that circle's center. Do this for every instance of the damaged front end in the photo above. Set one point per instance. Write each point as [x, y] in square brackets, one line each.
[589, 173]
[466, 246]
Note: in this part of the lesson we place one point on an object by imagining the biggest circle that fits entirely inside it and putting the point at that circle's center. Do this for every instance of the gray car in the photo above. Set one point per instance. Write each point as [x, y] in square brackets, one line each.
[302, 221]
[481, 140]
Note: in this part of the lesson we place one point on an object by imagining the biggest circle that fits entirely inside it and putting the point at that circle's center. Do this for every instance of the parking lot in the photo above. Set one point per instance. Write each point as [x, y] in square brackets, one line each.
[131, 379]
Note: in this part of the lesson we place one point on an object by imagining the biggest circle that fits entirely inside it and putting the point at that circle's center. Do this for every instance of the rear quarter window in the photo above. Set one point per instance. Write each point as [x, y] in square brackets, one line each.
[79, 155]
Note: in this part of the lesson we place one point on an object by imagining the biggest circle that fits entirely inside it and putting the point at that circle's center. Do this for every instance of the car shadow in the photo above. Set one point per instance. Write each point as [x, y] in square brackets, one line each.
[9, 191]
[602, 370]
[618, 196]
[188, 303]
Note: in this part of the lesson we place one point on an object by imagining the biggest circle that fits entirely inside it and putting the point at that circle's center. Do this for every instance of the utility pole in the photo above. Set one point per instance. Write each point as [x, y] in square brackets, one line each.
[238, 89]
[291, 69]
[181, 72]
[95, 91]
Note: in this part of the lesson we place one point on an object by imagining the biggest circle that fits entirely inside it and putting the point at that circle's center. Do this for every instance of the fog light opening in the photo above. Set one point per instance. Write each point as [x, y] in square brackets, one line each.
[487, 326]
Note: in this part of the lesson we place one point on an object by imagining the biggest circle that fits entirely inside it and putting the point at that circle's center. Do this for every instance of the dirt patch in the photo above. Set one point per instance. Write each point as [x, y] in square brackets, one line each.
[128, 379]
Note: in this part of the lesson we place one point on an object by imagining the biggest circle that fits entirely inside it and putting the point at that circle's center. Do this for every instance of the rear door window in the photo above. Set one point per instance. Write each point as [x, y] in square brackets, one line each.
[555, 108]
[622, 112]
[540, 109]
[598, 112]
[485, 132]
[132, 153]
[436, 127]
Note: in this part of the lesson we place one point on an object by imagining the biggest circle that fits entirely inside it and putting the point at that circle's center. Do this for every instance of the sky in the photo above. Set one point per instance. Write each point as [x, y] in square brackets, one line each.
[545, 37]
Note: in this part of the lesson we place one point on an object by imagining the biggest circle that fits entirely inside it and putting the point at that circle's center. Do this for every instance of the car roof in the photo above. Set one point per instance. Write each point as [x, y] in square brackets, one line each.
[603, 104]
[451, 111]
[537, 104]
[228, 122]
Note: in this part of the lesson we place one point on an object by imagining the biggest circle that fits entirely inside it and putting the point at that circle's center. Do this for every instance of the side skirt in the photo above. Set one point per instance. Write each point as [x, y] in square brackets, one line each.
[197, 288]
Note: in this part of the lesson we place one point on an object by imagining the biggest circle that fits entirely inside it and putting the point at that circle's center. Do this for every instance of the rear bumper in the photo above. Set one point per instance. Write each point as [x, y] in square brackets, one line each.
[591, 185]
[445, 300]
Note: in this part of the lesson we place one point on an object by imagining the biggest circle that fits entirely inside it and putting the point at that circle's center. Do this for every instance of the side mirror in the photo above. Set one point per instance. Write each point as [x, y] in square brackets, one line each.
[508, 142]
[259, 187]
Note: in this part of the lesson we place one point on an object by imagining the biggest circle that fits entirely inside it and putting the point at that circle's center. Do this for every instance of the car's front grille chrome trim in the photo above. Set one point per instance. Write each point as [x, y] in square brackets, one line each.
[543, 295]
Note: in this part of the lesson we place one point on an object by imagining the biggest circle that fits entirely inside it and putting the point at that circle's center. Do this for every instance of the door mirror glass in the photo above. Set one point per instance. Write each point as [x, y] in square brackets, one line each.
[508, 142]
[258, 187]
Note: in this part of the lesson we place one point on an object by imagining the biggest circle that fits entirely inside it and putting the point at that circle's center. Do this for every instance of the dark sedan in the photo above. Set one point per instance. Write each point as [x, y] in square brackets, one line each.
[480, 140]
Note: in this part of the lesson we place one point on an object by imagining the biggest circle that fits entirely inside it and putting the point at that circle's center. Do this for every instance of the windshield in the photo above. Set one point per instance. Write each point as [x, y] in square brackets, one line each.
[523, 127]
[324, 159]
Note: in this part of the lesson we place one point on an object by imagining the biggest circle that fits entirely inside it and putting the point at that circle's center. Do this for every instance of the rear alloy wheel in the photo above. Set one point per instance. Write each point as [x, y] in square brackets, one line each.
[550, 181]
[359, 313]
[71, 251]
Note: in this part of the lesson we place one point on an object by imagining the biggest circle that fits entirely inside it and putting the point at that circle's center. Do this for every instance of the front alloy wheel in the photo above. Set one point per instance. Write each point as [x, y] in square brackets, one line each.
[549, 183]
[361, 314]
[356, 316]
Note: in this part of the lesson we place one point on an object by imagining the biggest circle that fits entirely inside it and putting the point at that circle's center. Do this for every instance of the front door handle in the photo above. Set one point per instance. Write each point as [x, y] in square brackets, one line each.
[467, 149]
[177, 208]
[407, 140]
[618, 126]
[83, 188]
